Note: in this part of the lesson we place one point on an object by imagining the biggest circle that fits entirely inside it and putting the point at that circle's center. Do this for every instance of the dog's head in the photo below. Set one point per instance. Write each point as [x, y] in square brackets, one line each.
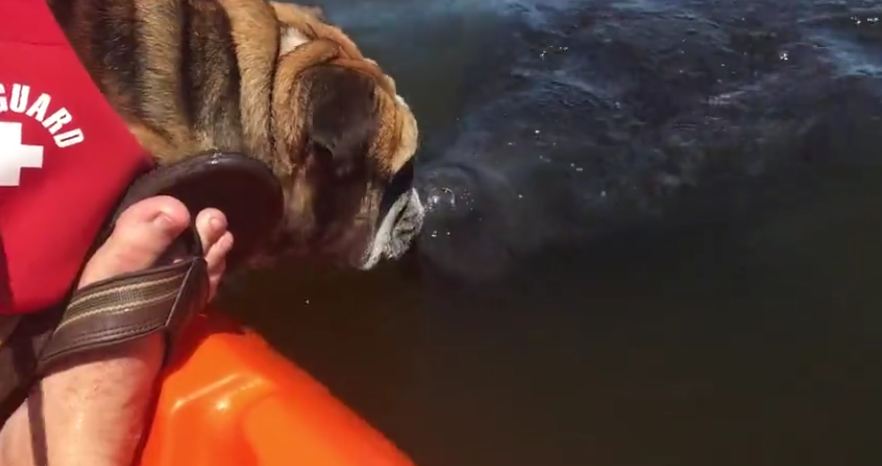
[348, 142]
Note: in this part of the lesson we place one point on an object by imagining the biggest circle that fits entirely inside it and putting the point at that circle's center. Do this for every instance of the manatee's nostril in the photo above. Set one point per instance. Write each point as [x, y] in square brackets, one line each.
[440, 197]
[449, 192]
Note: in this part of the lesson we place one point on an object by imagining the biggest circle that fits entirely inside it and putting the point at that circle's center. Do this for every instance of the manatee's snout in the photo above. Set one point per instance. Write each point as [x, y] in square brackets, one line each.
[466, 226]
[447, 193]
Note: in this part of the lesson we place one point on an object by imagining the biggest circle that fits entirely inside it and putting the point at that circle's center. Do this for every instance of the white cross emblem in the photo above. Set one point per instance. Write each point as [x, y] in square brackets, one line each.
[14, 155]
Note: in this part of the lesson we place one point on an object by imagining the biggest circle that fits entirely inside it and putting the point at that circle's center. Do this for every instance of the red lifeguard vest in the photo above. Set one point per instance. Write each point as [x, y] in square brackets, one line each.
[65, 159]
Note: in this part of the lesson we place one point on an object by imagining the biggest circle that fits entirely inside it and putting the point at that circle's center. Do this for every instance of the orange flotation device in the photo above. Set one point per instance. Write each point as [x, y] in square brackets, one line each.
[229, 399]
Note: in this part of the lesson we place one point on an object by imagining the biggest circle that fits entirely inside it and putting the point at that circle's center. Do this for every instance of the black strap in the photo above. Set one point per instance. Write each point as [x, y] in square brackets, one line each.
[18, 357]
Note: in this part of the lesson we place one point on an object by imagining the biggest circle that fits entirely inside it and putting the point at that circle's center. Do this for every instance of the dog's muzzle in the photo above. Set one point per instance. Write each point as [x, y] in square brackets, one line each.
[399, 227]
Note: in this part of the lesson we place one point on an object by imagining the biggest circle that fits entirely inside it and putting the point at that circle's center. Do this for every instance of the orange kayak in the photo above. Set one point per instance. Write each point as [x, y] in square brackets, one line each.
[228, 398]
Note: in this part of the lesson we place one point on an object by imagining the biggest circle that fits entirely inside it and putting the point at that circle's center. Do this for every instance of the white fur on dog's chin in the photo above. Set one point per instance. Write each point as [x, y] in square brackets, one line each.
[290, 39]
[392, 239]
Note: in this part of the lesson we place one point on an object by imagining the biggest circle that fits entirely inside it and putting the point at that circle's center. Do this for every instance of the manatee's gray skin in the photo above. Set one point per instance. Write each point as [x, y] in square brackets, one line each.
[558, 121]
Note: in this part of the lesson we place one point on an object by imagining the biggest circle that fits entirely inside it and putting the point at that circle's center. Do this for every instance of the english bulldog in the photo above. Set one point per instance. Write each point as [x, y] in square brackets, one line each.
[278, 83]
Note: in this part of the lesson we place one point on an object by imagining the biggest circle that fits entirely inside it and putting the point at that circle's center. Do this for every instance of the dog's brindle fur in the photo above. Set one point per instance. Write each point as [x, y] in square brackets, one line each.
[274, 81]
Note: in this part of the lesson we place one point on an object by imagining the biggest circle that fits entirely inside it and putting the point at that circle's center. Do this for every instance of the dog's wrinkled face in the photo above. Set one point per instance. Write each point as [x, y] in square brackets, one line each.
[350, 197]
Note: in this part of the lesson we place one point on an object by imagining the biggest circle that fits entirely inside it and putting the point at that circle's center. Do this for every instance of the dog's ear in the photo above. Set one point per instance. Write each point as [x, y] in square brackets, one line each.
[343, 120]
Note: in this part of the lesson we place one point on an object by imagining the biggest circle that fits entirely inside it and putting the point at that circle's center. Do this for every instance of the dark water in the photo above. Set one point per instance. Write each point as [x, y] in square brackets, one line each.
[655, 237]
